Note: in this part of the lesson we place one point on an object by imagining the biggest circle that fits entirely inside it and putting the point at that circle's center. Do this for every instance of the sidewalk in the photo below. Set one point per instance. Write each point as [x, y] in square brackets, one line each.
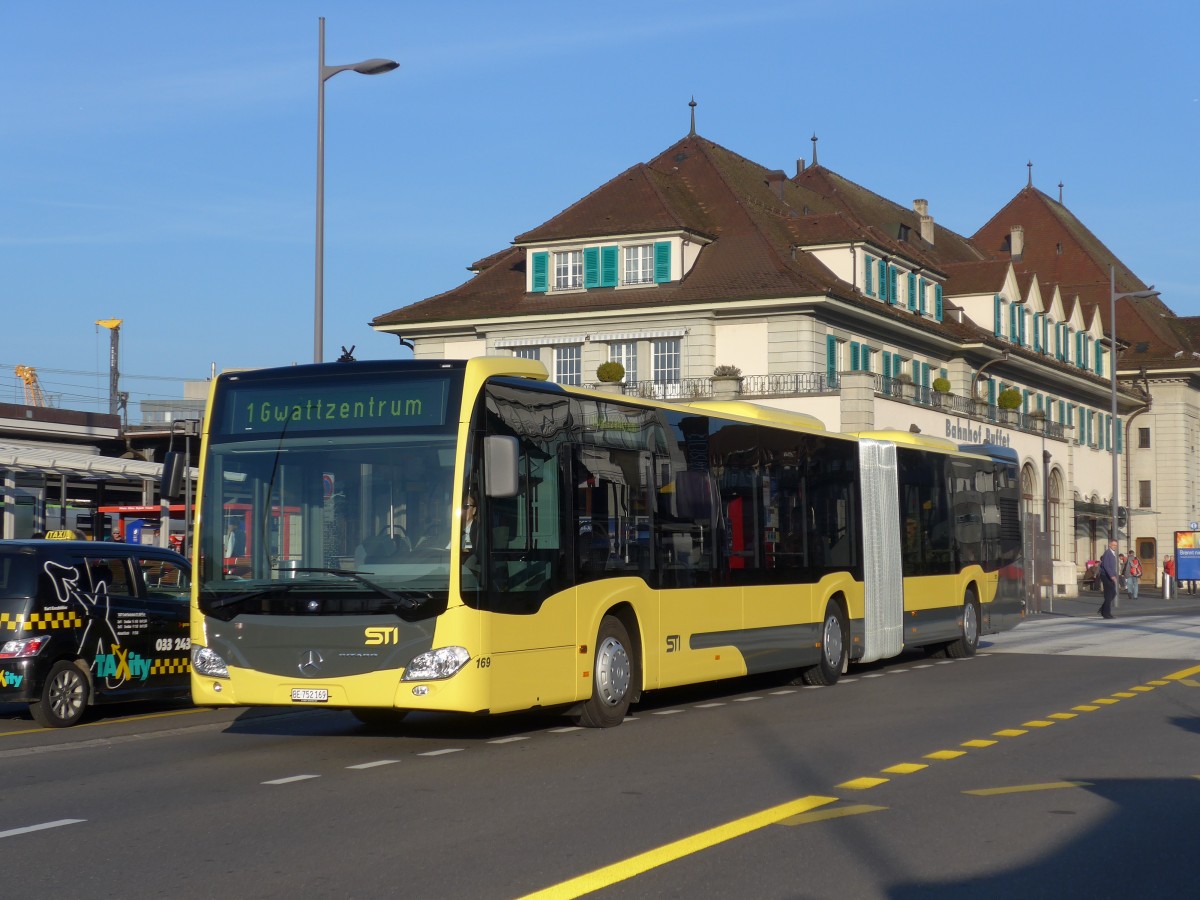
[1149, 602]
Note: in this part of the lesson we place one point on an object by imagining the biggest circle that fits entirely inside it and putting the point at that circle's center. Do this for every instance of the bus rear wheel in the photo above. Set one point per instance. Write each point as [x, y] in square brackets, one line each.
[834, 650]
[64, 696]
[966, 645]
[612, 677]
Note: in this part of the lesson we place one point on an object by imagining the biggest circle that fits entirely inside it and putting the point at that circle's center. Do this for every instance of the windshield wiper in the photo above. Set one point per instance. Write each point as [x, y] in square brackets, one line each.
[232, 599]
[412, 600]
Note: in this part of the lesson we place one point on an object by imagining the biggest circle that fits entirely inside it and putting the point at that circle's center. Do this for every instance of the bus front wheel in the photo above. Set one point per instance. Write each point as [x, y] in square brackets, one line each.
[834, 650]
[612, 677]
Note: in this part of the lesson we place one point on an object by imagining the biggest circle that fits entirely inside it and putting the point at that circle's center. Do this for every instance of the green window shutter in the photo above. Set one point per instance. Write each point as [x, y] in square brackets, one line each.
[937, 302]
[924, 375]
[831, 359]
[943, 374]
[916, 372]
[996, 327]
[1120, 437]
[883, 282]
[855, 354]
[662, 261]
[991, 392]
[541, 273]
[1037, 332]
[893, 288]
[609, 267]
[868, 274]
[591, 267]
[1099, 359]
[1022, 315]
[912, 290]
[887, 365]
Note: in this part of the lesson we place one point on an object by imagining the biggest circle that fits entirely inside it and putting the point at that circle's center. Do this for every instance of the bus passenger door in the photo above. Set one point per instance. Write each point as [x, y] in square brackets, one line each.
[531, 600]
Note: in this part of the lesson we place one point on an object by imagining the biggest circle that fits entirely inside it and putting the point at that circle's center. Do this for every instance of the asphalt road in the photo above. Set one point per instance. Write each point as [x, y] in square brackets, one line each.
[1061, 761]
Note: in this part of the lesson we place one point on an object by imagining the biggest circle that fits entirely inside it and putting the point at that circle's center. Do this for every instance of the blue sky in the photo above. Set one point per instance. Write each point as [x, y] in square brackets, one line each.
[159, 159]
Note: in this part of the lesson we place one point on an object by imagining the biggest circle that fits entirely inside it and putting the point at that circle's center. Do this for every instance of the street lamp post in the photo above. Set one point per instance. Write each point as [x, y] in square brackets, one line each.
[324, 73]
[1112, 327]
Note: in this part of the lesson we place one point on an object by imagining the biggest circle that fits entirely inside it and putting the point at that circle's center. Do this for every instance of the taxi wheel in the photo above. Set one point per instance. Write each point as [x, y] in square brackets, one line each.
[64, 696]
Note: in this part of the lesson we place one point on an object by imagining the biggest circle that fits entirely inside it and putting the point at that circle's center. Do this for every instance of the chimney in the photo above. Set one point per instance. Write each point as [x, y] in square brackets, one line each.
[1016, 241]
[775, 182]
[799, 166]
[921, 207]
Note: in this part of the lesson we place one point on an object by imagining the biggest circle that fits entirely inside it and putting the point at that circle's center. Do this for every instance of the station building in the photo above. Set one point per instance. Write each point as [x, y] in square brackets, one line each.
[706, 274]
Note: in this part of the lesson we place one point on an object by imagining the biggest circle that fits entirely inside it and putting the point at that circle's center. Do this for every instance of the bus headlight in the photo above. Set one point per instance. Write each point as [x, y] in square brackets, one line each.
[208, 663]
[436, 664]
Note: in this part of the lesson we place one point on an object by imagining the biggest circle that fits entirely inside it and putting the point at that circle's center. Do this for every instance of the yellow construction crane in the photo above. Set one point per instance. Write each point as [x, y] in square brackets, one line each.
[33, 391]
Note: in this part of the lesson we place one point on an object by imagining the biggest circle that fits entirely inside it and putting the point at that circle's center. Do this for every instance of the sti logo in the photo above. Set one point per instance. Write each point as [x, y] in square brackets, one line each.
[11, 679]
[381, 635]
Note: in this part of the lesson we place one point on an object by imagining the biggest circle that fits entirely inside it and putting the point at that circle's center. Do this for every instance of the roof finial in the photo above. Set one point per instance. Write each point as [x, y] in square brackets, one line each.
[1029, 165]
[814, 140]
[1060, 187]
[692, 133]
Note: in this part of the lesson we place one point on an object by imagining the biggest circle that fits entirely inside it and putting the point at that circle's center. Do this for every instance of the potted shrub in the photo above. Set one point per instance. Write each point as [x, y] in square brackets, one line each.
[941, 390]
[1009, 402]
[1010, 398]
[726, 382]
[610, 375]
[902, 385]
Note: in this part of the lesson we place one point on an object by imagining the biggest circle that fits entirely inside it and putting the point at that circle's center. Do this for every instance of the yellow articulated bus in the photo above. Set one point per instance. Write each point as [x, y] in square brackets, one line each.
[466, 536]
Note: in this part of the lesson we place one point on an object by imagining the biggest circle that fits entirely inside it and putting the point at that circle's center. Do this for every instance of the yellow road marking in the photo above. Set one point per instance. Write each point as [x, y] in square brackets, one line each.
[945, 754]
[1141, 689]
[1085, 708]
[1158, 682]
[1037, 723]
[1189, 682]
[826, 814]
[651, 859]
[862, 784]
[1124, 694]
[1026, 788]
[905, 768]
[1061, 716]
[1184, 673]
[1010, 732]
[978, 743]
[1105, 701]
[161, 715]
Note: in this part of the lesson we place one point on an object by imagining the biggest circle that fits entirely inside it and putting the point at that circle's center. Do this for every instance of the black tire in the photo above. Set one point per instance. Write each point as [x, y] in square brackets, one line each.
[835, 650]
[612, 677]
[64, 696]
[966, 645]
[380, 719]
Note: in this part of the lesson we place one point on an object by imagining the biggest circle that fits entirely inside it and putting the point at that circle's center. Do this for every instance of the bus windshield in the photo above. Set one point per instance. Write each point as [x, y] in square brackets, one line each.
[328, 496]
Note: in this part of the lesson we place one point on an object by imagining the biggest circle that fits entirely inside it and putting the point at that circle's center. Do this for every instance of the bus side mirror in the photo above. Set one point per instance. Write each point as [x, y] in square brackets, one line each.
[171, 487]
[500, 474]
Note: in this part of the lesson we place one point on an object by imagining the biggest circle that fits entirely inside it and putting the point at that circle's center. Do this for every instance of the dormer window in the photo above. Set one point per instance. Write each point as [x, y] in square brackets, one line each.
[601, 266]
[639, 264]
[568, 270]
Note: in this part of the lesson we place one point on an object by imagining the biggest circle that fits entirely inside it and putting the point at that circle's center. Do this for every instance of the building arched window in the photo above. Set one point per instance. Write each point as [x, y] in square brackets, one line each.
[1055, 503]
[1028, 482]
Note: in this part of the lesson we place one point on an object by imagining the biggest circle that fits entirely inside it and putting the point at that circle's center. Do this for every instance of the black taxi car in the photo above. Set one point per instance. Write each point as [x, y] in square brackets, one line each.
[88, 622]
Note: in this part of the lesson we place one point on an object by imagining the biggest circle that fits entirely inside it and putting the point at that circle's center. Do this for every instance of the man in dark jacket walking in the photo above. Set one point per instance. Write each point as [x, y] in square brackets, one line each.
[1108, 579]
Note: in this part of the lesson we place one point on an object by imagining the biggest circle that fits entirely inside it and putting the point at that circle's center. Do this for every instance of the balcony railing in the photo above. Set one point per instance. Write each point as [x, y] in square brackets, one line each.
[794, 383]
